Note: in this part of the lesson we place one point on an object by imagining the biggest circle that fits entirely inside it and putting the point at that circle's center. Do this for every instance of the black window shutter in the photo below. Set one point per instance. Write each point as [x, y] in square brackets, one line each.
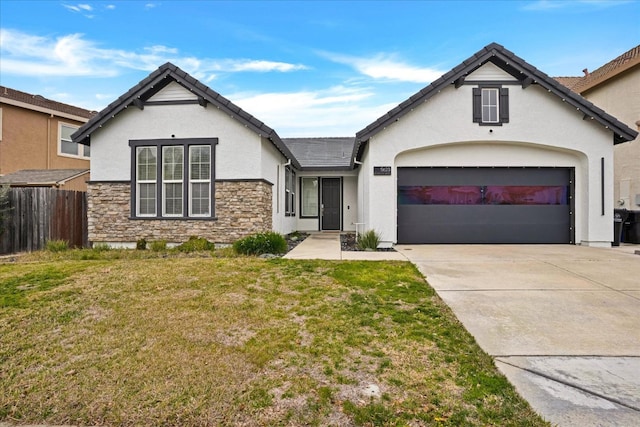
[477, 105]
[504, 105]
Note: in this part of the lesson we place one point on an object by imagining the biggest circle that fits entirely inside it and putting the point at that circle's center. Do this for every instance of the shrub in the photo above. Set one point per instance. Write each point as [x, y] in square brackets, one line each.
[141, 244]
[159, 246]
[369, 240]
[261, 243]
[101, 247]
[196, 244]
[57, 245]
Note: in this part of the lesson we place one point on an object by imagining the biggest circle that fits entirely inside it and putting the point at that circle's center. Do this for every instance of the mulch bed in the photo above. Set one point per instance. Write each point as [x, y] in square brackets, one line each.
[348, 243]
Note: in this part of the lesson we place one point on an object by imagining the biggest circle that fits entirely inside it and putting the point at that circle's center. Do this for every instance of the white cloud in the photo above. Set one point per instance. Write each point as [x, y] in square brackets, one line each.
[150, 5]
[110, 6]
[82, 8]
[73, 55]
[263, 66]
[337, 111]
[386, 67]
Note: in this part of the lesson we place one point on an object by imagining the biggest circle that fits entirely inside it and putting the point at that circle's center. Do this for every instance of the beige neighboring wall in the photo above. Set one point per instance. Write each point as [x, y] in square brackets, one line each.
[619, 95]
[30, 134]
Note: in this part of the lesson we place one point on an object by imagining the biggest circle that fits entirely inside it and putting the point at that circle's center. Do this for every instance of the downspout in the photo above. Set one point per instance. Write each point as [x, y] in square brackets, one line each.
[361, 204]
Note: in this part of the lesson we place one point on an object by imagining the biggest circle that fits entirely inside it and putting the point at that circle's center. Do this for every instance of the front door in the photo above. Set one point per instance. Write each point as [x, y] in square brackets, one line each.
[330, 208]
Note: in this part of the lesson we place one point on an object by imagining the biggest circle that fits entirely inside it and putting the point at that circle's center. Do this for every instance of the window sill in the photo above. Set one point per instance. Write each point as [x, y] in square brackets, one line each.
[174, 218]
[74, 156]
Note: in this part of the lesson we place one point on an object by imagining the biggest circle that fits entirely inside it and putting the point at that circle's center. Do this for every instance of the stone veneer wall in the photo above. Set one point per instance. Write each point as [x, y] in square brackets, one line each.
[241, 207]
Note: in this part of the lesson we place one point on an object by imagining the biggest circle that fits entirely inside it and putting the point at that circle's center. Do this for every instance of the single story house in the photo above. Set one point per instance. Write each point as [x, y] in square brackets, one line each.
[494, 151]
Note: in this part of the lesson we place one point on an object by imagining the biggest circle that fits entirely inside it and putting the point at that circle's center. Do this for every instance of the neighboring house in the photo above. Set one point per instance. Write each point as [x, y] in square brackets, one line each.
[66, 179]
[615, 87]
[35, 136]
[495, 151]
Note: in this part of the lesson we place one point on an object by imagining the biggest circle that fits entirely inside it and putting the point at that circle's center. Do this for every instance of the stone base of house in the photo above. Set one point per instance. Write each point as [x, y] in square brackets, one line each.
[241, 208]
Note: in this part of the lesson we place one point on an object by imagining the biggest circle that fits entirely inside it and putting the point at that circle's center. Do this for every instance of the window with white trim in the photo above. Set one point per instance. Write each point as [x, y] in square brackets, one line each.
[290, 191]
[489, 102]
[146, 175]
[490, 105]
[66, 147]
[173, 178]
[200, 180]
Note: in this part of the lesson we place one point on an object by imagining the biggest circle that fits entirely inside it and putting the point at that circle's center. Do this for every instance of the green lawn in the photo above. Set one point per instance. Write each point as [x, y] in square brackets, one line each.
[205, 340]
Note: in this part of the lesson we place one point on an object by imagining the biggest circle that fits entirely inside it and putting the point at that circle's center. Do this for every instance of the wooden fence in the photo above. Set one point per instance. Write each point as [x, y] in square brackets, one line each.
[37, 215]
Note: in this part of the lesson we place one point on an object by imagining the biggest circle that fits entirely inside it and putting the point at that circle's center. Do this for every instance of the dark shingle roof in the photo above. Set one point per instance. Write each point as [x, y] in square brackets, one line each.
[322, 153]
[159, 79]
[518, 68]
[41, 176]
[42, 102]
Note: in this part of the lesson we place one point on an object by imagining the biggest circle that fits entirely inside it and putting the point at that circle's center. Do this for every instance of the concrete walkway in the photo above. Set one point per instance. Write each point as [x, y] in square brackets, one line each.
[327, 246]
[562, 322]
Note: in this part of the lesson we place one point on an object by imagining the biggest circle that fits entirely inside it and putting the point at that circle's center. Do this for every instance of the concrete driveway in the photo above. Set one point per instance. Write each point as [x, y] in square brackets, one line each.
[562, 322]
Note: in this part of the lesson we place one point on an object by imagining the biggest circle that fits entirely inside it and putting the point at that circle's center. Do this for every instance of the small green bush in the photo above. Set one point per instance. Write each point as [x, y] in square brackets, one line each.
[195, 244]
[57, 245]
[101, 247]
[369, 240]
[141, 244]
[159, 246]
[261, 243]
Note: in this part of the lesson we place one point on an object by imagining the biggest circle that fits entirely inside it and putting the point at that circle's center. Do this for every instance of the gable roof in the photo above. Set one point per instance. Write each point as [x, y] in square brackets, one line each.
[519, 69]
[622, 63]
[322, 153]
[42, 104]
[160, 78]
[41, 177]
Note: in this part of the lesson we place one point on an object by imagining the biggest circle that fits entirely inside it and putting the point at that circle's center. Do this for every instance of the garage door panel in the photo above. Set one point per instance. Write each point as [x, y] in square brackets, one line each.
[460, 205]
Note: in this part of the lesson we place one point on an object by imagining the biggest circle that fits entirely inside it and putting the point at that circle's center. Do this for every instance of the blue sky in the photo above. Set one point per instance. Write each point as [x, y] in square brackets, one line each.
[308, 68]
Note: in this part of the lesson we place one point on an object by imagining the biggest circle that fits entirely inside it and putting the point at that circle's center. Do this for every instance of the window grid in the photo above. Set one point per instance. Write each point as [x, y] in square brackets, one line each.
[146, 176]
[172, 180]
[200, 180]
[490, 105]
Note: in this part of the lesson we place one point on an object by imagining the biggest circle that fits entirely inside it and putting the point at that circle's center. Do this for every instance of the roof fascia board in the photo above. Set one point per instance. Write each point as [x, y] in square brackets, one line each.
[82, 135]
[325, 168]
[512, 64]
[45, 110]
[163, 76]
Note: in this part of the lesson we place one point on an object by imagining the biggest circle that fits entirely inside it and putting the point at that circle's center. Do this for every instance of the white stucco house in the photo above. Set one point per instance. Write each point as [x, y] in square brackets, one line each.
[494, 151]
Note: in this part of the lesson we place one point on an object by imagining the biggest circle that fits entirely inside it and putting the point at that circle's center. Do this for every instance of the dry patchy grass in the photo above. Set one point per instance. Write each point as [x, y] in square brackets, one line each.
[197, 341]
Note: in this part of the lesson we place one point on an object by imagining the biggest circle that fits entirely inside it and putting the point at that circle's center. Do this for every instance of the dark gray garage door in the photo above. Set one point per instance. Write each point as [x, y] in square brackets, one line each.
[485, 205]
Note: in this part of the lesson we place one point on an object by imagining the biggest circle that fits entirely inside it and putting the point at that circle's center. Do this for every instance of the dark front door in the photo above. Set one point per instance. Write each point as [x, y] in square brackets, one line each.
[330, 216]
